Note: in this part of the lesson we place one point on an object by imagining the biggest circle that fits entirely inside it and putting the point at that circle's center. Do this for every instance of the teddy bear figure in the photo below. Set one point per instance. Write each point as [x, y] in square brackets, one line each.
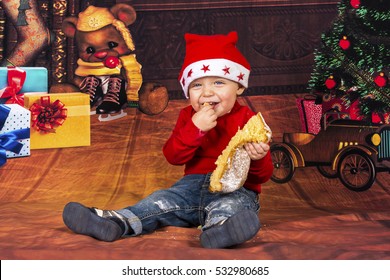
[107, 67]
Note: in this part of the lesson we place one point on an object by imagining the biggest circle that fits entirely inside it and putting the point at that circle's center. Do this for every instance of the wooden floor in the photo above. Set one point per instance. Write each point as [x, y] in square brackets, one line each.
[310, 217]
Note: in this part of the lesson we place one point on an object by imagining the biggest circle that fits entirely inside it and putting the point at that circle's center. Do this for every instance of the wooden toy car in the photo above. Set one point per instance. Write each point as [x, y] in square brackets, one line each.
[351, 150]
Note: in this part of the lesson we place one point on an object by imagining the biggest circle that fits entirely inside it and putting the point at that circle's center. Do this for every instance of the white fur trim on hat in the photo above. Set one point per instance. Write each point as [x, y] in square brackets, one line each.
[213, 55]
[218, 67]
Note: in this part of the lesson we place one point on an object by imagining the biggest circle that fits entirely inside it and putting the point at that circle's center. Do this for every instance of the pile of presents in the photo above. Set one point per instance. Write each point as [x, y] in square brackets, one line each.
[31, 118]
[312, 111]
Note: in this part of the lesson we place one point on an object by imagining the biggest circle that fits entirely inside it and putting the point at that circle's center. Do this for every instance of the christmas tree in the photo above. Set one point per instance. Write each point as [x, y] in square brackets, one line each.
[353, 62]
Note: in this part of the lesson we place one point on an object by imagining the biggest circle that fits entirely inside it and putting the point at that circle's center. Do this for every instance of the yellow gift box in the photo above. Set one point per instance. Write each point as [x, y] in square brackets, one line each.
[59, 120]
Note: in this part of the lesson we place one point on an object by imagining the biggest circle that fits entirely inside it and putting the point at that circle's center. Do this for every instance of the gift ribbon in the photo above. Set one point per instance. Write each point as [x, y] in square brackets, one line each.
[46, 116]
[8, 141]
[16, 78]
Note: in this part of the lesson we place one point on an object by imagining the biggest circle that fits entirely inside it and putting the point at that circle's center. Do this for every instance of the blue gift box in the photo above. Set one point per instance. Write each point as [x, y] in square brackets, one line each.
[14, 131]
[36, 80]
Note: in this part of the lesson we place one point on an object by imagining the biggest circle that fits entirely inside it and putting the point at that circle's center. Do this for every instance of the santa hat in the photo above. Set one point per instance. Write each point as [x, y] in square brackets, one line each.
[213, 55]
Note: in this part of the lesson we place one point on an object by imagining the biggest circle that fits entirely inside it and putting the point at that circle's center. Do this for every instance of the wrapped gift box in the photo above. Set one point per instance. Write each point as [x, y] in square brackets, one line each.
[332, 103]
[342, 110]
[310, 115]
[36, 80]
[384, 118]
[14, 131]
[59, 120]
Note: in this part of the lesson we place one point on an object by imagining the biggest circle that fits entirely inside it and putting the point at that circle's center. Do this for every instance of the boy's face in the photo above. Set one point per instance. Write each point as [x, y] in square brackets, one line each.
[220, 93]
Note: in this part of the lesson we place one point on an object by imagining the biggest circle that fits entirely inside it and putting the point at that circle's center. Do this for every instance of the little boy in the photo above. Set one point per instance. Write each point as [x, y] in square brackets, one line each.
[214, 73]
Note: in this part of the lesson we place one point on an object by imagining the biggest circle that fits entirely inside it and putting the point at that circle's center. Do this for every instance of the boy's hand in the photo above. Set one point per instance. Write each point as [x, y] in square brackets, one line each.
[205, 119]
[256, 151]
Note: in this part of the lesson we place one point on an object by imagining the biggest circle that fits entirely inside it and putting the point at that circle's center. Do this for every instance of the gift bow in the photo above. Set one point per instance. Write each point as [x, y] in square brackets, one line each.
[16, 78]
[46, 116]
[8, 141]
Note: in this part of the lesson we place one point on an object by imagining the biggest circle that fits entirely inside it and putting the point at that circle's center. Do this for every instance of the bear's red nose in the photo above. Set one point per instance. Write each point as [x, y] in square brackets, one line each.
[100, 55]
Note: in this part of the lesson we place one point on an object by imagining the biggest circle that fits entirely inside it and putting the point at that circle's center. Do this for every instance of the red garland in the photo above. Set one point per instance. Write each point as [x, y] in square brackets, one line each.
[46, 116]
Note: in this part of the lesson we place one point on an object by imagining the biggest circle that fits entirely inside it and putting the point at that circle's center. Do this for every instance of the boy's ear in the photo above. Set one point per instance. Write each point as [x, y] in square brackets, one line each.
[240, 90]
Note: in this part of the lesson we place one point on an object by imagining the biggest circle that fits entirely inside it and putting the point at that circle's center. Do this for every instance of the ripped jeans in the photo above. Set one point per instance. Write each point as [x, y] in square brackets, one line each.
[188, 203]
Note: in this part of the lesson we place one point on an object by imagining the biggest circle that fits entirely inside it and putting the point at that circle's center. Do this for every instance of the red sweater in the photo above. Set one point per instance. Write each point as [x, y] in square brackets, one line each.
[199, 150]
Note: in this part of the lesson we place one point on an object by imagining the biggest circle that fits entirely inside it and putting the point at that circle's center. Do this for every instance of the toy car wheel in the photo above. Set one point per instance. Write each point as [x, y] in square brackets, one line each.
[283, 165]
[356, 171]
[327, 171]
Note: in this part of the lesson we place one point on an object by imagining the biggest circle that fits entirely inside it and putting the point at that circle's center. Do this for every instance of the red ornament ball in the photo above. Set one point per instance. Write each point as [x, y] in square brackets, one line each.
[344, 43]
[381, 80]
[355, 3]
[111, 62]
[330, 83]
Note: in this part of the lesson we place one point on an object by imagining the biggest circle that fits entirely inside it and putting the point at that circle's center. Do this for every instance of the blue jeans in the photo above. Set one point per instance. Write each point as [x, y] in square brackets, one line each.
[188, 203]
